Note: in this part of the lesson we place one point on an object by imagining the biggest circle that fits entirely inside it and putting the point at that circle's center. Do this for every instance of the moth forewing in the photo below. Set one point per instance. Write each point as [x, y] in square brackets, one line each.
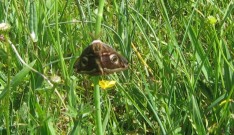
[100, 59]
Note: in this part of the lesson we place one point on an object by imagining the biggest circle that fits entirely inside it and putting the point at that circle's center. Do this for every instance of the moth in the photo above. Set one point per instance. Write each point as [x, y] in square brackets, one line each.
[100, 59]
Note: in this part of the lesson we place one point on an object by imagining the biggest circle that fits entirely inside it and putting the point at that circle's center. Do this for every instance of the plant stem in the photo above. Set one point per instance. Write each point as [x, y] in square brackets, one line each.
[99, 18]
[7, 98]
[97, 106]
[96, 78]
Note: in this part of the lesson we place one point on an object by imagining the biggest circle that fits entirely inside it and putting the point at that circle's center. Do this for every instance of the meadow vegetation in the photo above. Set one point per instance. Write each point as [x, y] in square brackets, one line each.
[180, 78]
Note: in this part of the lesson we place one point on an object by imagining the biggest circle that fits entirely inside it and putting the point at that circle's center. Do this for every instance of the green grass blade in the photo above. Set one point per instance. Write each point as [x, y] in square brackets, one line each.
[18, 78]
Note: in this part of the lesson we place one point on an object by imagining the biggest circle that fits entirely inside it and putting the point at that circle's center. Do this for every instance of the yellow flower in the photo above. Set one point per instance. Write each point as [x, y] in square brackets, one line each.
[212, 20]
[105, 84]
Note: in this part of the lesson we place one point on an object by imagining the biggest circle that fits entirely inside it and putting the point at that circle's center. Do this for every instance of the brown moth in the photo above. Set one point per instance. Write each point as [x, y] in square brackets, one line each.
[100, 59]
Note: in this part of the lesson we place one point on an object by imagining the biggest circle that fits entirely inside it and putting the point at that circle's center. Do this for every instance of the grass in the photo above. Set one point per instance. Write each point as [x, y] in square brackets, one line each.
[179, 81]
